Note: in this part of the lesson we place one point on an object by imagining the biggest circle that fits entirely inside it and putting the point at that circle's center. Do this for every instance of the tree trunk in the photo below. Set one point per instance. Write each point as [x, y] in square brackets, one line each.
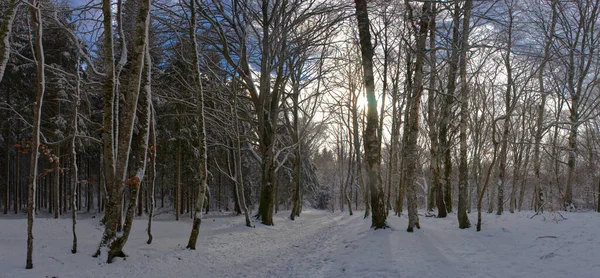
[114, 194]
[463, 169]
[131, 95]
[7, 157]
[488, 175]
[446, 110]
[358, 153]
[572, 147]
[152, 178]
[178, 180]
[238, 166]
[371, 139]
[5, 31]
[56, 184]
[411, 153]
[436, 183]
[297, 158]
[36, 16]
[197, 213]
[74, 170]
[17, 186]
[501, 179]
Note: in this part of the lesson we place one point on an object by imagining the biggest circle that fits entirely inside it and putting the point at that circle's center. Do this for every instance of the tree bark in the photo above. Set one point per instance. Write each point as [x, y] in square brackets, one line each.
[131, 95]
[411, 153]
[371, 140]
[197, 213]
[463, 169]
[75, 169]
[488, 175]
[238, 165]
[445, 138]
[5, 31]
[436, 182]
[36, 16]
[7, 157]
[114, 193]
[152, 178]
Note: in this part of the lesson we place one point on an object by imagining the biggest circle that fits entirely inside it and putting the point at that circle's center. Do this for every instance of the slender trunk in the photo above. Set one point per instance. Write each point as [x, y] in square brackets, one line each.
[501, 179]
[56, 184]
[17, 187]
[297, 158]
[393, 153]
[36, 16]
[463, 169]
[74, 170]
[197, 212]
[572, 145]
[238, 166]
[7, 157]
[488, 175]
[358, 153]
[178, 180]
[152, 178]
[524, 178]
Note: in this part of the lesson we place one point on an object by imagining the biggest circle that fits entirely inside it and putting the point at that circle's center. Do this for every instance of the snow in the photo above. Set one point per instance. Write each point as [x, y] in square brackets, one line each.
[317, 244]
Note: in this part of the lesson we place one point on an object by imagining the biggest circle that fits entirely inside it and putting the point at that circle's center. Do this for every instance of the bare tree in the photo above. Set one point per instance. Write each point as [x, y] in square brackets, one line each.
[197, 213]
[37, 24]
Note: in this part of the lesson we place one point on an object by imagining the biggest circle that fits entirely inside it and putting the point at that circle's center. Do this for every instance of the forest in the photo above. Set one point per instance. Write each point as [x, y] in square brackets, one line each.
[461, 113]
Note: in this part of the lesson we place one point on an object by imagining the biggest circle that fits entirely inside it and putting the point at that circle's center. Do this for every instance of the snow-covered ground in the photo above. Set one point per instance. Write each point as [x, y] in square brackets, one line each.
[318, 244]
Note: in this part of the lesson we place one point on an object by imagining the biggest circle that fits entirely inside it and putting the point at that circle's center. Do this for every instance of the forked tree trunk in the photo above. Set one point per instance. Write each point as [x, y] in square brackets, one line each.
[131, 94]
[36, 20]
[371, 140]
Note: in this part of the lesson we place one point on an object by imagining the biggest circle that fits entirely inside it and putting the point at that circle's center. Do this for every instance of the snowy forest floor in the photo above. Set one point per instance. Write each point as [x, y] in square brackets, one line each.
[318, 244]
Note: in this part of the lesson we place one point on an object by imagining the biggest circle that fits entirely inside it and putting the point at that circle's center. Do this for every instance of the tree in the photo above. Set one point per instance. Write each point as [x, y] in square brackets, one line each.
[197, 214]
[371, 140]
[36, 15]
[117, 150]
[463, 220]
[416, 91]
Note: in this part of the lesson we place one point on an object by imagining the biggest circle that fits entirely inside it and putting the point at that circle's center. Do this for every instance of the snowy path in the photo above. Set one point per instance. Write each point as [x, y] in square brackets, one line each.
[318, 244]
